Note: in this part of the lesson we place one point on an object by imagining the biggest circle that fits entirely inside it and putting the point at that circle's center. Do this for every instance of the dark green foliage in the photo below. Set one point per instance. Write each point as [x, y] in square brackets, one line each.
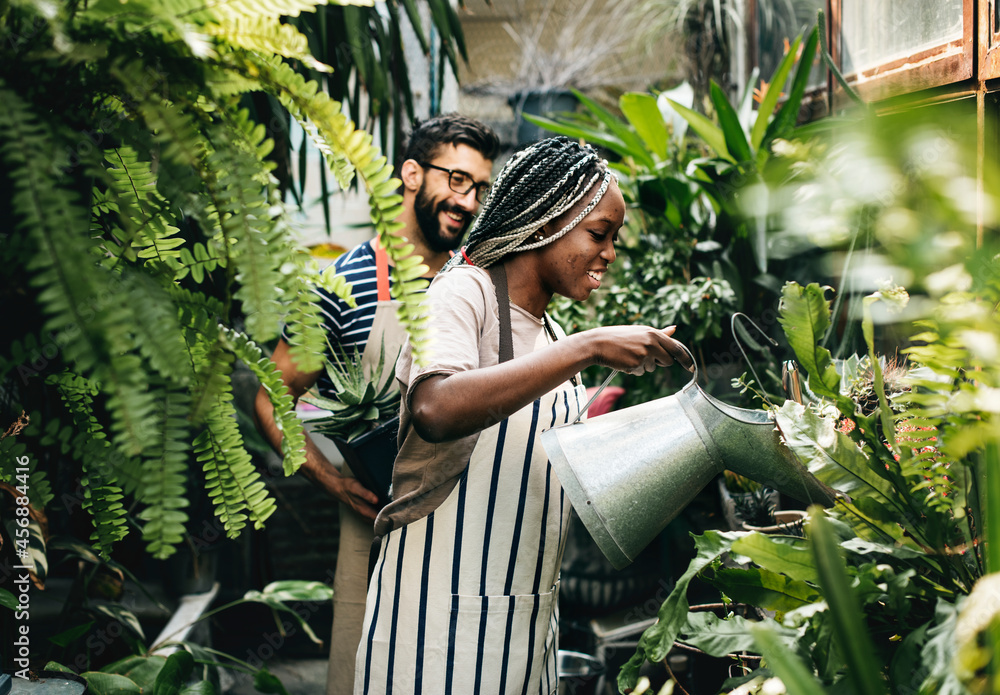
[150, 247]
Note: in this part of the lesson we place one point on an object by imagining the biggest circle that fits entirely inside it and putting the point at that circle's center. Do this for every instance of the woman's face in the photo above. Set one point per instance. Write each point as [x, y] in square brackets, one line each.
[574, 265]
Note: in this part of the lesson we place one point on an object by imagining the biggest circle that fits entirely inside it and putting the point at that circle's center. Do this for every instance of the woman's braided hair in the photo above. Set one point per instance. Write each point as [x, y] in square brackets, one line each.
[535, 186]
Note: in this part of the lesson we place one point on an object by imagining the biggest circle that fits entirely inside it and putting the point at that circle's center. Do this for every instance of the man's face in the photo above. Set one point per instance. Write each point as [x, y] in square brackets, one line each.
[444, 215]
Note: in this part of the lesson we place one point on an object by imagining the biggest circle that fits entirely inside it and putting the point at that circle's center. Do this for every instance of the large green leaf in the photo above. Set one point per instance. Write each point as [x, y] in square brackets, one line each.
[788, 115]
[789, 556]
[729, 121]
[805, 318]
[143, 670]
[719, 637]
[592, 136]
[644, 115]
[765, 589]
[709, 132]
[770, 100]
[829, 455]
[852, 636]
[174, 674]
[620, 129]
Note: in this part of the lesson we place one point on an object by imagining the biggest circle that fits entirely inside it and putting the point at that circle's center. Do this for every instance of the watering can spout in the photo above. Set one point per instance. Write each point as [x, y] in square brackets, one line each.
[630, 472]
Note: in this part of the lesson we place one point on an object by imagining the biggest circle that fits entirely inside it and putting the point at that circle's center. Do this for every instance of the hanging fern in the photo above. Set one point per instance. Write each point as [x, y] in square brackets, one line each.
[349, 152]
[102, 497]
[151, 242]
[231, 481]
[293, 437]
[161, 479]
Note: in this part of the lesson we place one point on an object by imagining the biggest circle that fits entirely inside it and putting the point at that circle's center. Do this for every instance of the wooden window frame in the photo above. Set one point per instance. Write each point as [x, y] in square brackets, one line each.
[942, 65]
[989, 40]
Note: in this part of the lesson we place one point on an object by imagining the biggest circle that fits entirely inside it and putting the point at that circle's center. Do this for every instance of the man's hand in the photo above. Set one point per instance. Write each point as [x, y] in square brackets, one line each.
[348, 490]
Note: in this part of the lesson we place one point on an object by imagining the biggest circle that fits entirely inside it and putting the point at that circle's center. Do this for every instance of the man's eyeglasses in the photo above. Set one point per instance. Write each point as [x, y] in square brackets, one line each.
[461, 182]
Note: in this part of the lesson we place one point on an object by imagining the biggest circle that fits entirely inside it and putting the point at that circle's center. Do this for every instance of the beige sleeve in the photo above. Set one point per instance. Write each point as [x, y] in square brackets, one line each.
[459, 322]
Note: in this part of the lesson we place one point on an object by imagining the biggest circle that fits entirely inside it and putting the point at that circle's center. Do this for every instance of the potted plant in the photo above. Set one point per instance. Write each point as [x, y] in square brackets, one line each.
[363, 418]
[746, 501]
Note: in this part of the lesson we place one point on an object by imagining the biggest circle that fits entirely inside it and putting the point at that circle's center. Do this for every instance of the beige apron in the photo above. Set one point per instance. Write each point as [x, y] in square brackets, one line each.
[464, 601]
[350, 582]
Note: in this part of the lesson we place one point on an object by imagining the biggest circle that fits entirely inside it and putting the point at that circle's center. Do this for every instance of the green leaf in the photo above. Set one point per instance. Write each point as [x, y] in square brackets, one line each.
[853, 639]
[719, 637]
[618, 128]
[110, 684]
[770, 100]
[644, 115]
[788, 115]
[56, 666]
[805, 318]
[174, 674]
[784, 663]
[595, 137]
[789, 556]
[732, 130]
[828, 454]
[762, 588]
[67, 637]
[143, 670]
[709, 132]
[7, 599]
[266, 682]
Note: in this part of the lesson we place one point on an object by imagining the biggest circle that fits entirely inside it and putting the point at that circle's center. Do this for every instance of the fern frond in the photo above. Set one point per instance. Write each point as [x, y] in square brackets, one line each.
[56, 223]
[231, 481]
[248, 228]
[349, 151]
[163, 472]
[267, 8]
[267, 35]
[156, 328]
[293, 441]
[101, 495]
[132, 189]
[305, 331]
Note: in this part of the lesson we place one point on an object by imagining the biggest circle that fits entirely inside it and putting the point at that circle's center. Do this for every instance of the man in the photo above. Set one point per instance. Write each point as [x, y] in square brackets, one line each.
[445, 175]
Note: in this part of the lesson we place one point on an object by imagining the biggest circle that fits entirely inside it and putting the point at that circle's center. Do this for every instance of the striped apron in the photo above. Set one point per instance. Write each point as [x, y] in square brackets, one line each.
[465, 600]
[350, 581]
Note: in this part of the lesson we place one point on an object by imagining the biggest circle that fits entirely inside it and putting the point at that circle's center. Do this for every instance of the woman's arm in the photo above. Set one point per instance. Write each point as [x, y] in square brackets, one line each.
[448, 407]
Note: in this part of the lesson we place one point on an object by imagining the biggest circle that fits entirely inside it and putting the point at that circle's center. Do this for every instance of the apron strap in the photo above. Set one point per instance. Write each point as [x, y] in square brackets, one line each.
[499, 276]
[381, 271]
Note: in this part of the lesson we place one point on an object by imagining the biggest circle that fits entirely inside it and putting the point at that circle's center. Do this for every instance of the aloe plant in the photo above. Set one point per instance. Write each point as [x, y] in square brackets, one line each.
[361, 403]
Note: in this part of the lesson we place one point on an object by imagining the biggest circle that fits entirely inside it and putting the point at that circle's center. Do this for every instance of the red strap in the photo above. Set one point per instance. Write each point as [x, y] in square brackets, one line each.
[465, 256]
[381, 271]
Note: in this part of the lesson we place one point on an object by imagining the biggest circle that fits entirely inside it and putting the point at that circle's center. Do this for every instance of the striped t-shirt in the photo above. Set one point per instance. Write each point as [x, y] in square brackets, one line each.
[347, 328]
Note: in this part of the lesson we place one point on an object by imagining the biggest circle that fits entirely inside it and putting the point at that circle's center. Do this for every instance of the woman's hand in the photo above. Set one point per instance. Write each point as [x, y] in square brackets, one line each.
[636, 349]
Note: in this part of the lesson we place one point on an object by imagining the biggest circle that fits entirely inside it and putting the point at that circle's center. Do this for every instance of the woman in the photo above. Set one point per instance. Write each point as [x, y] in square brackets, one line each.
[463, 594]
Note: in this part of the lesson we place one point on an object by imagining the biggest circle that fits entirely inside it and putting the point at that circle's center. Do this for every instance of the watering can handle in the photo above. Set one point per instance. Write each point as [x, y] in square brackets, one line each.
[611, 376]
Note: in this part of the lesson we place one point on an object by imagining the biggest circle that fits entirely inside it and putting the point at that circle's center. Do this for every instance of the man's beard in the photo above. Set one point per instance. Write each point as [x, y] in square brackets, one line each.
[426, 212]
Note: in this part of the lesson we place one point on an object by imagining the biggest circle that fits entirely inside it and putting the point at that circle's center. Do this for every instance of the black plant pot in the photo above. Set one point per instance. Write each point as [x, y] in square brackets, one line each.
[371, 456]
[538, 102]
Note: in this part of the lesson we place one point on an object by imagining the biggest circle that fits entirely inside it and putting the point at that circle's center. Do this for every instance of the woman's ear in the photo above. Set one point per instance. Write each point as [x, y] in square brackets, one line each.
[412, 175]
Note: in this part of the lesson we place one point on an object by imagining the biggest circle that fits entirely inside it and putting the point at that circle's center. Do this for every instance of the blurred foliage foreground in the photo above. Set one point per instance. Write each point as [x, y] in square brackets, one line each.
[895, 588]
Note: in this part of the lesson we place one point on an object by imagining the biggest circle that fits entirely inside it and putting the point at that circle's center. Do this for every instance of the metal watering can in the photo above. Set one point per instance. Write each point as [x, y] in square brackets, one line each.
[628, 473]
